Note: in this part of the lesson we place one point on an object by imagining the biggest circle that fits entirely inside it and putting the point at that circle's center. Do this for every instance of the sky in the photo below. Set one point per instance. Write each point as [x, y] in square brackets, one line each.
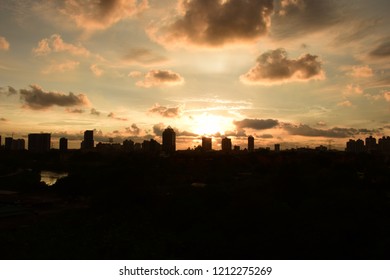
[301, 73]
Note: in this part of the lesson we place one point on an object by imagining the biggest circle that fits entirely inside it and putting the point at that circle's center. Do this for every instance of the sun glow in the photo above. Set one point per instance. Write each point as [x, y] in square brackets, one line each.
[207, 124]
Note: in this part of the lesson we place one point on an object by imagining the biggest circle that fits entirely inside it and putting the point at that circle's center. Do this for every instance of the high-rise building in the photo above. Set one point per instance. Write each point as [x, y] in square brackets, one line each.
[251, 143]
[88, 143]
[39, 142]
[128, 145]
[169, 140]
[277, 148]
[8, 143]
[370, 144]
[226, 144]
[384, 145]
[206, 143]
[63, 144]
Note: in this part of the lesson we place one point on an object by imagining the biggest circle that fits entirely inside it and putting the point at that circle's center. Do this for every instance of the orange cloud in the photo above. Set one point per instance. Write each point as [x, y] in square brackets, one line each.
[361, 72]
[156, 78]
[4, 44]
[274, 67]
[56, 44]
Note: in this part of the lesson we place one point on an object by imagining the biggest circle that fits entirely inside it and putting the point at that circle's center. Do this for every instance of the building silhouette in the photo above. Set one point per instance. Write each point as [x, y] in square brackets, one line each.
[8, 143]
[169, 140]
[63, 144]
[39, 142]
[277, 148]
[251, 143]
[206, 143]
[226, 144]
[384, 145]
[370, 144]
[88, 143]
[128, 146]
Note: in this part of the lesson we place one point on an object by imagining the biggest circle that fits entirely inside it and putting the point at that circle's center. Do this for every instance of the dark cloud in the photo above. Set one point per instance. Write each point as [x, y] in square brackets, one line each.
[256, 123]
[265, 136]
[3, 120]
[236, 133]
[95, 112]
[156, 78]
[113, 116]
[100, 14]
[336, 132]
[36, 98]
[133, 130]
[383, 50]
[166, 112]
[158, 129]
[299, 17]
[215, 23]
[8, 91]
[274, 67]
[144, 56]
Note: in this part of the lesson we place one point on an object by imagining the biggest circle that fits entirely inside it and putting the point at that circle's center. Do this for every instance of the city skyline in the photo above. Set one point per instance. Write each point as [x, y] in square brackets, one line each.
[295, 73]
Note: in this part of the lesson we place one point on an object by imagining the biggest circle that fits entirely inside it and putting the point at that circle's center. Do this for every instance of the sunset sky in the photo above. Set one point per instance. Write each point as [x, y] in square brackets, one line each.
[294, 72]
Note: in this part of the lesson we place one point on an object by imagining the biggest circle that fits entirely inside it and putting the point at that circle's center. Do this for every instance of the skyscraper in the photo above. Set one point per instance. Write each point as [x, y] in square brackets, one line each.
[88, 143]
[226, 144]
[169, 140]
[39, 142]
[251, 143]
[63, 144]
[206, 144]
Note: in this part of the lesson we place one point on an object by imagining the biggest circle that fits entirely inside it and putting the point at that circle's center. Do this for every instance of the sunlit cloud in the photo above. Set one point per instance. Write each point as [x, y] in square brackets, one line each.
[144, 56]
[167, 112]
[157, 78]
[133, 130]
[112, 115]
[101, 14]
[352, 89]
[364, 71]
[74, 111]
[386, 95]
[61, 67]
[345, 103]
[96, 70]
[4, 44]
[37, 98]
[135, 74]
[214, 23]
[274, 67]
[8, 91]
[95, 112]
[57, 45]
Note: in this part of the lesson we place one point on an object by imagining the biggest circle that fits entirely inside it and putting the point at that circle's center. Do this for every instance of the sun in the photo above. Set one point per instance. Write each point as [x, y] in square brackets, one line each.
[208, 125]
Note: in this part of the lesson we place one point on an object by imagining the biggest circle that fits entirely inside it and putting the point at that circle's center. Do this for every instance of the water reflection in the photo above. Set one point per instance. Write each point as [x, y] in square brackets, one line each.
[51, 177]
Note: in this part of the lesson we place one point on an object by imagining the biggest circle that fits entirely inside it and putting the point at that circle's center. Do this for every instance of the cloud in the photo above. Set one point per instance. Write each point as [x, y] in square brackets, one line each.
[113, 116]
[100, 14]
[57, 45]
[345, 103]
[258, 124]
[61, 67]
[300, 17]
[3, 120]
[214, 23]
[37, 98]
[4, 44]
[383, 50]
[135, 74]
[364, 71]
[96, 70]
[172, 112]
[274, 67]
[8, 91]
[95, 112]
[265, 136]
[158, 129]
[133, 130]
[386, 95]
[156, 78]
[305, 130]
[143, 56]
[353, 90]
[75, 111]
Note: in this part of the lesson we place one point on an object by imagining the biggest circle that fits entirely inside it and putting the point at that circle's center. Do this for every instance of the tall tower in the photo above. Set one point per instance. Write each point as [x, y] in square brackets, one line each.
[251, 144]
[88, 142]
[206, 143]
[226, 144]
[169, 140]
[63, 144]
[39, 142]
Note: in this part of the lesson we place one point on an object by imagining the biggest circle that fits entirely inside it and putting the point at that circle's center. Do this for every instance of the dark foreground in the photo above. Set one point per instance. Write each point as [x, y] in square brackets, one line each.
[197, 206]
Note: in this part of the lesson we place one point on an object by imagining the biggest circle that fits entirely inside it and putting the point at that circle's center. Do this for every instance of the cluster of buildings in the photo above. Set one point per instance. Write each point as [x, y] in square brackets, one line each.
[371, 145]
[41, 142]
